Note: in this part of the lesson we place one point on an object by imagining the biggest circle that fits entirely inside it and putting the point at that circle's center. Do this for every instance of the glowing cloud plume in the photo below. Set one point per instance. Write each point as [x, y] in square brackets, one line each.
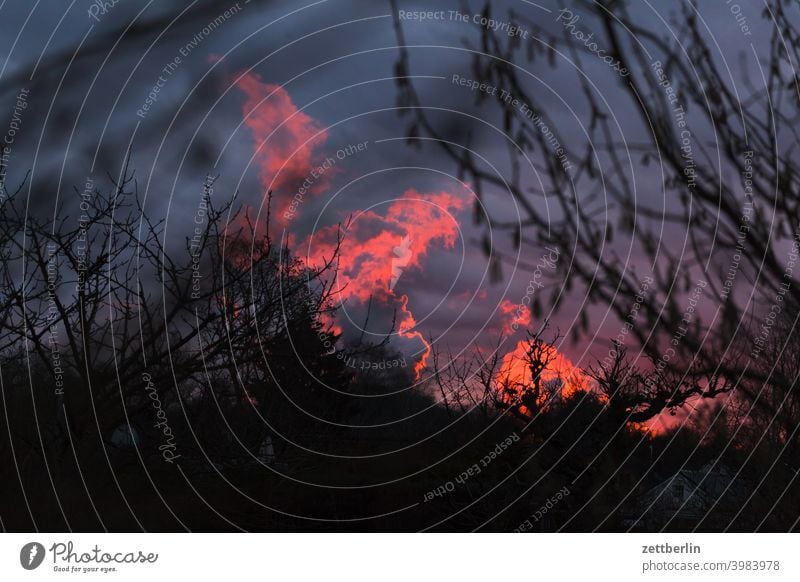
[287, 139]
[369, 260]
[378, 249]
[512, 314]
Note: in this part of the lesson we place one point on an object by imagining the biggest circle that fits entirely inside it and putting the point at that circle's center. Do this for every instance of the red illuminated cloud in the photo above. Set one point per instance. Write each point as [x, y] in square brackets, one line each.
[514, 317]
[288, 142]
[378, 250]
[377, 247]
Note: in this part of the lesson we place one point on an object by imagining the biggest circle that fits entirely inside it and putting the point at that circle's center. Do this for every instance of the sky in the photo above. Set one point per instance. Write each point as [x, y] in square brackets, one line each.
[278, 95]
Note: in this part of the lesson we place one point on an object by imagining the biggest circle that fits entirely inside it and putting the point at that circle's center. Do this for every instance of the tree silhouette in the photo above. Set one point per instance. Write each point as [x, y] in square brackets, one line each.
[599, 194]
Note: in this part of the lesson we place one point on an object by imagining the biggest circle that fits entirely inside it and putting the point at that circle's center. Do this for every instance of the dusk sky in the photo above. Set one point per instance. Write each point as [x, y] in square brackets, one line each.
[334, 71]
[264, 96]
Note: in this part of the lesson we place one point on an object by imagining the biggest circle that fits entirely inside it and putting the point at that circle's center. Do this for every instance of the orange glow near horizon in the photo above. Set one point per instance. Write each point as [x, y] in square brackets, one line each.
[515, 371]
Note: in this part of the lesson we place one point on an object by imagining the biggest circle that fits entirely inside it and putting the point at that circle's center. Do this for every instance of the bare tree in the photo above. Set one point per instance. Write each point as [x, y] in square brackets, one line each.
[102, 321]
[736, 196]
